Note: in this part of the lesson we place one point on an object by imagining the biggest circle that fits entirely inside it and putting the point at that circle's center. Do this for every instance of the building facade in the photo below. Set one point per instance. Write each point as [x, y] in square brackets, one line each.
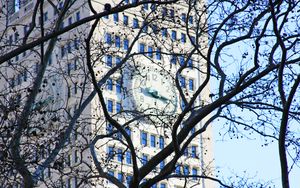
[147, 69]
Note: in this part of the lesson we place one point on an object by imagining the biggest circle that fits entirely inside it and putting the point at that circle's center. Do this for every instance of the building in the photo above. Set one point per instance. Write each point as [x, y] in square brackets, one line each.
[148, 44]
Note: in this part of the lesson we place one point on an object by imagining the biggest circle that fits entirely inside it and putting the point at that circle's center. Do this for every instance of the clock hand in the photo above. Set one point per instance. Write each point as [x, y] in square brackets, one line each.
[154, 93]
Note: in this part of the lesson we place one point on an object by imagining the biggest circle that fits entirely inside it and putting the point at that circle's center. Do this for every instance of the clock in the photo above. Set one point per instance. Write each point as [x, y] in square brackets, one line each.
[154, 91]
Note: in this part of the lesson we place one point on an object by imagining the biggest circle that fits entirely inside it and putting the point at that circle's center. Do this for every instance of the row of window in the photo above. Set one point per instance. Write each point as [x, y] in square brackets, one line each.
[155, 29]
[186, 170]
[149, 51]
[113, 106]
[69, 47]
[112, 85]
[155, 140]
[119, 153]
[18, 79]
[183, 84]
[118, 135]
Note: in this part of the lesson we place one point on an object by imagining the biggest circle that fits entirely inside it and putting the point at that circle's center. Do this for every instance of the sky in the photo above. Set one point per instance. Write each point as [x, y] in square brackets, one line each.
[248, 157]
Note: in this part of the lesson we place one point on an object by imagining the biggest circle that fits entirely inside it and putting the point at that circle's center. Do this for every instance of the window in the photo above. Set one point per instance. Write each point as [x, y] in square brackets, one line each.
[194, 173]
[118, 107]
[109, 84]
[125, 20]
[118, 60]
[186, 152]
[128, 157]
[109, 60]
[76, 43]
[126, 1]
[190, 63]
[144, 138]
[155, 29]
[158, 54]
[183, 38]
[182, 105]
[128, 131]
[16, 37]
[135, 23]
[154, 186]
[172, 14]
[107, 38]
[191, 84]
[186, 170]
[77, 16]
[145, 7]
[182, 81]
[150, 51]
[126, 44]
[62, 51]
[118, 86]
[109, 128]
[194, 150]
[173, 59]
[144, 159]
[141, 47]
[145, 27]
[177, 169]
[120, 177]
[110, 105]
[173, 35]
[45, 16]
[117, 41]
[110, 152]
[162, 165]
[128, 179]
[161, 142]
[164, 12]
[134, 1]
[191, 19]
[163, 185]
[120, 155]
[183, 17]
[152, 141]
[25, 29]
[193, 130]
[69, 47]
[164, 32]
[70, 20]
[112, 173]
[116, 17]
[10, 40]
[181, 60]
[193, 39]
[153, 7]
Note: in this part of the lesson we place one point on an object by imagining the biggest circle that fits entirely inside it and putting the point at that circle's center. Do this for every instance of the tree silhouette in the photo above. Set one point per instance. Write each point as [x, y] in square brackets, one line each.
[61, 125]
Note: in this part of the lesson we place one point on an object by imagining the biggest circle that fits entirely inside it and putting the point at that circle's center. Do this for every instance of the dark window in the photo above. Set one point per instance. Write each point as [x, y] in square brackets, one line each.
[108, 38]
[125, 20]
[118, 107]
[109, 84]
[194, 173]
[144, 138]
[144, 159]
[120, 155]
[128, 157]
[117, 41]
[158, 54]
[110, 105]
[191, 84]
[173, 59]
[194, 150]
[173, 35]
[183, 38]
[126, 44]
[135, 23]
[186, 170]
[116, 17]
[164, 32]
[150, 51]
[109, 60]
[152, 141]
[77, 16]
[141, 47]
[161, 142]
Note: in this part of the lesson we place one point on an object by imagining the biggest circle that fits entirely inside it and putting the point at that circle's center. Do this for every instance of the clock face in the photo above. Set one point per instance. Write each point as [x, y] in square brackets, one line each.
[154, 92]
